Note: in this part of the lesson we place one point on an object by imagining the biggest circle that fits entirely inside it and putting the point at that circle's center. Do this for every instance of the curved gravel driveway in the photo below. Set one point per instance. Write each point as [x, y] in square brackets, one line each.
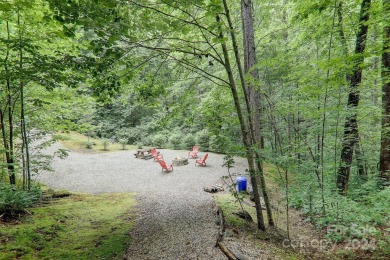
[176, 217]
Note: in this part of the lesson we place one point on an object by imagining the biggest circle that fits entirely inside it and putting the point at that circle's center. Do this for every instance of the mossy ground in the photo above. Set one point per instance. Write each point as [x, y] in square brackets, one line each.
[76, 227]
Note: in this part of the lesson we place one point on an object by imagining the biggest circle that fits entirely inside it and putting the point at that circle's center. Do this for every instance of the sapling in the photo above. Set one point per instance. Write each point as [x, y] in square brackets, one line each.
[89, 145]
[123, 143]
[229, 162]
[105, 143]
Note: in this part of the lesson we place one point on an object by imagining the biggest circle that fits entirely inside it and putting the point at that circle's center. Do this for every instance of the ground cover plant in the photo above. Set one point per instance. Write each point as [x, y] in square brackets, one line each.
[355, 226]
[80, 226]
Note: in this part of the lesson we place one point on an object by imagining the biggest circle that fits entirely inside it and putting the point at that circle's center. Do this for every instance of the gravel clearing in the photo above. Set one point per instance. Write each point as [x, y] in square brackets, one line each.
[176, 218]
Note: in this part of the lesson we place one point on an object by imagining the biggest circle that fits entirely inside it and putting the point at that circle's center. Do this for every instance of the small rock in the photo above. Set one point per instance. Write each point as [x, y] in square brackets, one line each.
[241, 257]
[228, 233]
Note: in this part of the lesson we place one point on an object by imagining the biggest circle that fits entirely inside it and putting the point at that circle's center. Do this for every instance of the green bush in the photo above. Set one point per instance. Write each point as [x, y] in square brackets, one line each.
[219, 143]
[175, 141]
[89, 145]
[14, 201]
[147, 141]
[132, 135]
[159, 141]
[345, 217]
[203, 140]
[123, 143]
[106, 143]
[188, 142]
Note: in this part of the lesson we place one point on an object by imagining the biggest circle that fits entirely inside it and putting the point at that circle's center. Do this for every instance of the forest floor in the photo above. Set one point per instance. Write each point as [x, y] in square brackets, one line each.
[176, 219]
[70, 226]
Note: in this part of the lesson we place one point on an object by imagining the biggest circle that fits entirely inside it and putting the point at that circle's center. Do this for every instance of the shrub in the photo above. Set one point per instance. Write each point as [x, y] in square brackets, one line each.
[89, 145]
[345, 218]
[105, 143]
[159, 140]
[123, 143]
[132, 135]
[175, 141]
[147, 141]
[219, 143]
[188, 142]
[14, 201]
[203, 139]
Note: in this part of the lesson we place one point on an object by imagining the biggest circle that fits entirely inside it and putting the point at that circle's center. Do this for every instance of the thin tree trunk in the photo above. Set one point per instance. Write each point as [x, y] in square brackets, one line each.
[10, 161]
[384, 162]
[9, 142]
[244, 131]
[25, 145]
[324, 112]
[255, 99]
[351, 127]
[251, 106]
[287, 204]
[358, 153]
[345, 51]
[5, 140]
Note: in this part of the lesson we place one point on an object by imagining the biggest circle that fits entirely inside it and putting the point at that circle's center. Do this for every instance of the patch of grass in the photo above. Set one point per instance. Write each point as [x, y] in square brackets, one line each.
[81, 143]
[229, 206]
[76, 227]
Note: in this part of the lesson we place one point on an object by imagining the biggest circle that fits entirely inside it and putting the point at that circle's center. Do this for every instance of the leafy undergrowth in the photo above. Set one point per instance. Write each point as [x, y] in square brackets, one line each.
[81, 143]
[76, 227]
[353, 226]
[307, 238]
[15, 201]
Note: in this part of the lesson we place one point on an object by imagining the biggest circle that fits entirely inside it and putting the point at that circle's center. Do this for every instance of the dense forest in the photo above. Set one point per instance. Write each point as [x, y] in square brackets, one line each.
[302, 85]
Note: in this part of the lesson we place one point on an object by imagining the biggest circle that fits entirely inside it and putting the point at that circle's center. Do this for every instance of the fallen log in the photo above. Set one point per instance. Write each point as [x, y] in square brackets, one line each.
[221, 226]
[227, 252]
[230, 255]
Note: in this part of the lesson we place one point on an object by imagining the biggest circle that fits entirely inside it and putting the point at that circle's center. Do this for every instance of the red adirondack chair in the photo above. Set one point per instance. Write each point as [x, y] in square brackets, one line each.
[202, 161]
[194, 153]
[157, 156]
[165, 167]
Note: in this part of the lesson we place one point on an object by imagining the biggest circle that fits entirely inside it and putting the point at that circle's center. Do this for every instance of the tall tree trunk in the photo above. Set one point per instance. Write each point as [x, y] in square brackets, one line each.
[358, 152]
[254, 96]
[384, 163]
[244, 131]
[345, 52]
[351, 126]
[8, 142]
[25, 144]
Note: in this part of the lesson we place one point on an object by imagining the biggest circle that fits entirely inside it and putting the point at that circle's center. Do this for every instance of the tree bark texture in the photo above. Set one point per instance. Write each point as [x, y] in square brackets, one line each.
[25, 142]
[253, 93]
[384, 163]
[351, 127]
[359, 158]
[8, 143]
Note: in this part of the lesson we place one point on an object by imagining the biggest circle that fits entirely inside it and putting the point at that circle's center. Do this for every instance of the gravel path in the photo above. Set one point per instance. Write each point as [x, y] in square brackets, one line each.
[176, 217]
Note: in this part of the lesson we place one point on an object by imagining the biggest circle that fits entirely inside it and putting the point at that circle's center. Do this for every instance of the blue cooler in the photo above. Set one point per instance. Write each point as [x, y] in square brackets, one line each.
[241, 183]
